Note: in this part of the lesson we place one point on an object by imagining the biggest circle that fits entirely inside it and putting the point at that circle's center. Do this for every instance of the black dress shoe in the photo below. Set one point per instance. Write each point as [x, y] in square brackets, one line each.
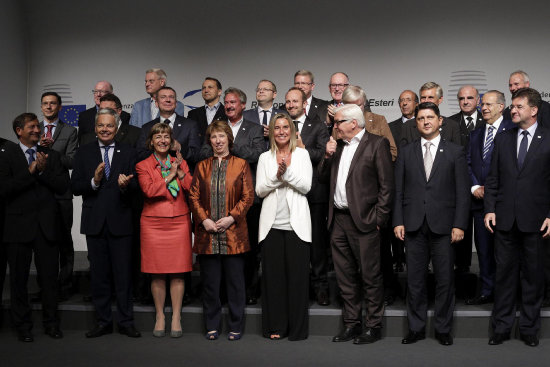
[348, 334]
[413, 336]
[498, 338]
[444, 338]
[389, 300]
[35, 297]
[25, 336]
[322, 298]
[87, 298]
[54, 332]
[530, 340]
[100, 330]
[369, 336]
[251, 300]
[480, 300]
[130, 331]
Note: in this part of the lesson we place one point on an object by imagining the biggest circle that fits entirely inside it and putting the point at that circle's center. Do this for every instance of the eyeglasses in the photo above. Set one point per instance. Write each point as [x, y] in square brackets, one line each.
[100, 92]
[301, 84]
[264, 90]
[338, 122]
[338, 86]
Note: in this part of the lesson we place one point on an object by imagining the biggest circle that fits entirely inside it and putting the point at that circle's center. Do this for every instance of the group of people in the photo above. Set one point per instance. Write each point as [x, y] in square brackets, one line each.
[277, 189]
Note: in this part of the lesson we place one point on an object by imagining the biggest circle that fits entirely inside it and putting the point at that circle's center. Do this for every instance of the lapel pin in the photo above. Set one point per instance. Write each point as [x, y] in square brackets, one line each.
[179, 125]
[308, 124]
[244, 129]
[2, 149]
[440, 150]
[538, 136]
[118, 150]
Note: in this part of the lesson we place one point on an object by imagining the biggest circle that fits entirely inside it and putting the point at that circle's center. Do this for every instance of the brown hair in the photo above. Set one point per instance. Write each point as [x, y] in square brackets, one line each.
[159, 127]
[220, 125]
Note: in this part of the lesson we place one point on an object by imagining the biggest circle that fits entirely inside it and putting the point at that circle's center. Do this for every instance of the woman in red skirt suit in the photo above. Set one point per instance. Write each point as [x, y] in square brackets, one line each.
[165, 225]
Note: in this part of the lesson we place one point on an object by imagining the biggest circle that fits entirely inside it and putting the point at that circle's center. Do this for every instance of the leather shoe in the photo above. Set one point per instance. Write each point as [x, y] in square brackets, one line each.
[100, 330]
[130, 331]
[498, 338]
[529, 340]
[444, 338]
[413, 336]
[323, 298]
[480, 300]
[25, 336]
[54, 332]
[369, 336]
[389, 300]
[251, 300]
[348, 334]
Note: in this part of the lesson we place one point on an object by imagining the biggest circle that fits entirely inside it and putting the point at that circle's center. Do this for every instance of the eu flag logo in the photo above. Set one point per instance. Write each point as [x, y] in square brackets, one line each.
[69, 114]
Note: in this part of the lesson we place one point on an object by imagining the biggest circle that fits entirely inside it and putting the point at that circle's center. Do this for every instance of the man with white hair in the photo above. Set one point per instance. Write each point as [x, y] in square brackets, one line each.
[359, 170]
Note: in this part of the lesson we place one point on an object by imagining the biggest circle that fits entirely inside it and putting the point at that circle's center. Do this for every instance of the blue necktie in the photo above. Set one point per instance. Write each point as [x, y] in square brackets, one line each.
[488, 142]
[106, 161]
[30, 152]
[522, 148]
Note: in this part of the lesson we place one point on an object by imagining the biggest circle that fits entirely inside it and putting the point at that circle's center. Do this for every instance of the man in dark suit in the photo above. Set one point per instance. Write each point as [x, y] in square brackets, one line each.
[408, 101]
[338, 83]
[313, 136]
[86, 119]
[450, 131]
[359, 170]
[517, 209]
[30, 176]
[104, 175]
[432, 203]
[479, 152]
[316, 109]
[248, 144]
[126, 133]
[184, 130]
[62, 138]
[212, 109]
[520, 79]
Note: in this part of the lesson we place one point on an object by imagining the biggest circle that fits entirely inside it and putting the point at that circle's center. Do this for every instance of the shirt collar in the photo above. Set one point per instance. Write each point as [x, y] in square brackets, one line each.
[46, 123]
[435, 141]
[24, 147]
[172, 118]
[302, 118]
[357, 138]
[214, 107]
[530, 129]
[496, 124]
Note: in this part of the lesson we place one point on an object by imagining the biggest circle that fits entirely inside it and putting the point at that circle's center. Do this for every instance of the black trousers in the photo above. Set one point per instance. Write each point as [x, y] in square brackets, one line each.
[319, 246]
[422, 245]
[46, 259]
[519, 258]
[111, 263]
[66, 248]
[463, 249]
[3, 268]
[231, 269]
[252, 257]
[285, 285]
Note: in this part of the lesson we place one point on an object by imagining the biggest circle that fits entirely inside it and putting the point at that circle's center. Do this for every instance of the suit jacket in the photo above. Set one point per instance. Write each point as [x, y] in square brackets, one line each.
[520, 195]
[396, 128]
[86, 121]
[443, 199]
[108, 205]
[318, 109]
[30, 198]
[543, 117]
[185, 131]
[450, 131]
[126, 134]
[369, 185]
[464, 132]
[315, 136]
[477, 167]
[199, 115]
[141, 113]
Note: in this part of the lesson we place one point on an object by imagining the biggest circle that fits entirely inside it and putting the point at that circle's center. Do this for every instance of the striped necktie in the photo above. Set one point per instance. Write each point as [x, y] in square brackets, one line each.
[106, 161]
[488, 142]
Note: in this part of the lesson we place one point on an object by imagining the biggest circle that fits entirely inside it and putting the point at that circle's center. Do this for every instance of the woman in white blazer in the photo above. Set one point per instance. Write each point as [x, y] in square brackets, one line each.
[283, 179]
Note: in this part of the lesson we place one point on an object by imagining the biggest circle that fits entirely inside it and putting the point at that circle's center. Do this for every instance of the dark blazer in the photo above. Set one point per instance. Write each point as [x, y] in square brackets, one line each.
[464, 132]
[396, 128]
[543, 117]
[477, 167]
[108, 205]
[252, 114]
[369, 185]
[126, 134]
[30, 199]
[318, 109]
[450, 131]
[185, 131]
[315, 136]
[86, 121]
[444, 199]
[199, 115]
[519, 195]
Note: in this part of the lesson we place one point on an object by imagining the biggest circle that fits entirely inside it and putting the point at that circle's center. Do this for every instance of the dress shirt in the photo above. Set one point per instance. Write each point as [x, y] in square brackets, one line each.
[340, 196]
[473, 116]
[308, 105]
[531, 131]
[172, 119]
[46, 123]
[404, 119]
[154, 109]
[301, 121]
[211, 112]
[24, 149]
[496, 125]
[433, 148]
[235, 128]
[111, 152]
[261, 114]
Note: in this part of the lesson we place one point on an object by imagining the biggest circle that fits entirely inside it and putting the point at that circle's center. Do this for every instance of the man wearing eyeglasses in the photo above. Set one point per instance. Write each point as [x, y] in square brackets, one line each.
[338, 82]
[86, 119]
[316, 109]
[266, 92]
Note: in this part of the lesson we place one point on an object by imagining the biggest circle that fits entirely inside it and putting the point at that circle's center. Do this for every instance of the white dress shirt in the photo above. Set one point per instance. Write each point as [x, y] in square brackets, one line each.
[496, 125]
[211, 112]
[235, 128]
[110, 153]
[531, 131]
[340, 196]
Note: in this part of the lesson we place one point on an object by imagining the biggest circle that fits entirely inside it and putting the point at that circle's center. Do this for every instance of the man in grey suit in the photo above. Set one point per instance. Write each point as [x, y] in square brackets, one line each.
[63, 138]
[432, 204]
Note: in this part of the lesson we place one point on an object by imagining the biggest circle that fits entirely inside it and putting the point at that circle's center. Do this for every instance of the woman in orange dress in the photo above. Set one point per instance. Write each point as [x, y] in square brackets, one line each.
[165, 225]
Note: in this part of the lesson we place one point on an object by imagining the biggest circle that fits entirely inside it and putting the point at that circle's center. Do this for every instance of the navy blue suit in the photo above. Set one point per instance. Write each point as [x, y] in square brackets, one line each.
[478, 168]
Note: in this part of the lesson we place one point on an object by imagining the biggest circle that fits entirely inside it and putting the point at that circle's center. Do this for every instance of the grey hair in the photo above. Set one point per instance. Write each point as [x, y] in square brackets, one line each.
[352, 112]
[107, 111]
[432, 85]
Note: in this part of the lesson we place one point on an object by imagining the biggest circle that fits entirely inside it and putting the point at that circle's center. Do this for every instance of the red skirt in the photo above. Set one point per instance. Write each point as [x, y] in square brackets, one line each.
[166, 244]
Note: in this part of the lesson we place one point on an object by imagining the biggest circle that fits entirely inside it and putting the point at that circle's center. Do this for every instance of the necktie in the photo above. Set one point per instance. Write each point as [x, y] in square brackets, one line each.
[264, 120]
[428, 160]
[522, 148]
[297, 124]
[30, 152]
[488, 142]
[49, 127]
[470, 124]
[167, 121]
[106, 161]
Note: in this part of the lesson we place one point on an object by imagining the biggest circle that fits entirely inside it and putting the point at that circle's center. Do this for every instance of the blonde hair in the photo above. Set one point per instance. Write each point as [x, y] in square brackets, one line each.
[272, 145]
